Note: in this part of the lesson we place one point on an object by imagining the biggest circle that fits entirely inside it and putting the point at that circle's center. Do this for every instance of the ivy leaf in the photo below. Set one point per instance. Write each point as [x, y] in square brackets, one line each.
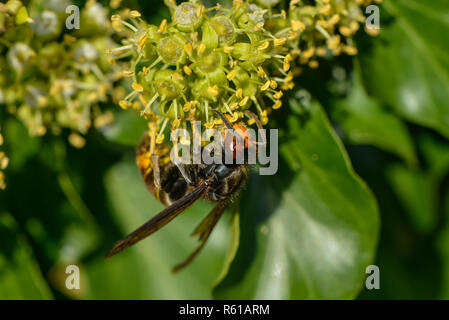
[364, 121]
[20, 276]
[407, 66]
[443, 249]
[20, 146]
[145, 269]
[418, 190]
[310, 231]
[127, 128]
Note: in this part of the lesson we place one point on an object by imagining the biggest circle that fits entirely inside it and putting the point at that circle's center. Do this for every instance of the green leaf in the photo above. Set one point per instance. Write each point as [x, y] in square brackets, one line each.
[127, 128]
[20, 276]
[416, 191]
[144, 270]
[233, 246]
[310, 231]
[407, 66]
[364, 121]
[20, 146]
[443, 249]
[413, 253]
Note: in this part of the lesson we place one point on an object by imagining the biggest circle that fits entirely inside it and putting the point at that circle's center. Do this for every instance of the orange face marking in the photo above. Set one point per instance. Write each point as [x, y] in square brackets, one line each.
[233, 144]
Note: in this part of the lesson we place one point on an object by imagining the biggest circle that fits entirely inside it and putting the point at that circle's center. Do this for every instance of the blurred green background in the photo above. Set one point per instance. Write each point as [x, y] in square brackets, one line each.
[309, 232]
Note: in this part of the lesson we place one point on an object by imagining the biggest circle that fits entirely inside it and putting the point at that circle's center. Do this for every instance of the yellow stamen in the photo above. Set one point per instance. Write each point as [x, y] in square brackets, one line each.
[231, 75]
[347, 32]
[213, 91]
[298, 25]
[326, 10]
[188, 48]
[263, 46]
[244, 101]
[279, 41]
[334, 20]
[141, 42]
[228, 49]
[160, 138]
[278, 95]
[239, 93]
[187, 70]
[163, 26]
[177, 76]
[175, 124]
[235, 117]
[128, 73]
[200, 10]
[277, 104]
[187, 107]
[259, 26]
[201, 48]
[124, 104]
[314, 64]
[134, 14]
[265, 86]
[137, 87]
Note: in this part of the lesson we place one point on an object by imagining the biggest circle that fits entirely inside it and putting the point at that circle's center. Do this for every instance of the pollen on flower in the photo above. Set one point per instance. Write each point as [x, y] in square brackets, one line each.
[228, 59]
[330, 24]
[54, 78]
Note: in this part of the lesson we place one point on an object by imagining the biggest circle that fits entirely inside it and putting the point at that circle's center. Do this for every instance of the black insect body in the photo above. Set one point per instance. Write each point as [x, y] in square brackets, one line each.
[178, 186]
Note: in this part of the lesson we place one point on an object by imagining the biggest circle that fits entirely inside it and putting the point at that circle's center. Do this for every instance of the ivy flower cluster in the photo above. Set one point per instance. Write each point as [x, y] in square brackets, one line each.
[52, 77]
[327, 28]
[204, 59]
[227, 59]
[319, 28]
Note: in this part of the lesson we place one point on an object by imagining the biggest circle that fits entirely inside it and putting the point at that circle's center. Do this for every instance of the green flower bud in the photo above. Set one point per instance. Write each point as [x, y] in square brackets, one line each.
[50, 57]
[256, 14]
[268, 3]
[210, 37]
[209, 62]
[173, 112]
[244, 81]
[93, 21]
[84, 51]
[47, 25]
[203, 91]
[152, 33]
[224, 28]
[186, 17]
[19, 57]
[171, 50]
[242, 51]
[167, 85]
[36, 96]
